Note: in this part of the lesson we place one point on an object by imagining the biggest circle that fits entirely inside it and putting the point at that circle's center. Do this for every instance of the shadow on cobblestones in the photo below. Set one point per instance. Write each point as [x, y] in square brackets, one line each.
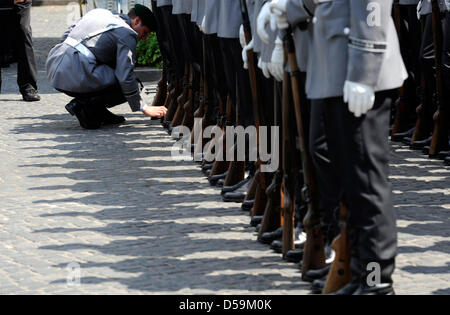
[166, 227]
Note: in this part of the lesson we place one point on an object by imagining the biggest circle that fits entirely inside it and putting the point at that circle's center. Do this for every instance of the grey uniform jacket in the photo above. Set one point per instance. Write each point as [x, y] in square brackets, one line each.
[297, 12]
[427, 7]
[114, 51]
[230, 18]
[162, 3]
[182, 6]
[409, 2]
[198, 11]
[212, 14]
[352, 43]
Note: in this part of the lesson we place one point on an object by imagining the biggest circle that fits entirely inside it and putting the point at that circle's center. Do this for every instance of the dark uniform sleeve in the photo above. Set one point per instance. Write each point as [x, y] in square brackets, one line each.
[126, 51]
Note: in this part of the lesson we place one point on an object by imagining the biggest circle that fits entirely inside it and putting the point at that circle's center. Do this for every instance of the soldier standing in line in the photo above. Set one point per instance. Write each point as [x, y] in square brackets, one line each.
[354, 67]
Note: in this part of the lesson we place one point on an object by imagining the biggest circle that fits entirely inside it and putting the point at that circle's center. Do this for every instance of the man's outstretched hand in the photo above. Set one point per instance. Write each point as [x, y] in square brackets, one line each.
[155, 111]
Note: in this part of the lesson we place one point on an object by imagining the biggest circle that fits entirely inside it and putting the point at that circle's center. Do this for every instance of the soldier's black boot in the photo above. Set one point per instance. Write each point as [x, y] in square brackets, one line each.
[108, 118]
[376, 278]
[86, 117]
[447, 161]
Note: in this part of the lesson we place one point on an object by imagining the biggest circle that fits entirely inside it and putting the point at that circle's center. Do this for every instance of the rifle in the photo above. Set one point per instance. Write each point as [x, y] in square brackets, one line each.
[287, 196]
[260, 195]
[188, 107]
[236, 170]
[440, 133]
[220, 167]
[340, 273]
[401, 115]
[205, 99]
[421, 131]
[181, 100]
[272, 220]
[314, 253]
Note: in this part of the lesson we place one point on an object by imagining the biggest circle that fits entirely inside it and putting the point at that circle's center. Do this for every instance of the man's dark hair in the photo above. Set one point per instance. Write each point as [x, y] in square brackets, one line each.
[132, 13]
[145, 14]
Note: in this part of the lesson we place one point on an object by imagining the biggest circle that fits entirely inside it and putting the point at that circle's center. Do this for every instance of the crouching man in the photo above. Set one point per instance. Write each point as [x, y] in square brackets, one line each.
[94, 65]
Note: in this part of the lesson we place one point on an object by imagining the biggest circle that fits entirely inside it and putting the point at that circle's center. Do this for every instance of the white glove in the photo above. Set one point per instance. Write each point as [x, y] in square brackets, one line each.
[360, 97]
[242, 36]
[264, 18]
[276, 65]
[244, 53]
[203, 25]
[278, 10]
[264, 66]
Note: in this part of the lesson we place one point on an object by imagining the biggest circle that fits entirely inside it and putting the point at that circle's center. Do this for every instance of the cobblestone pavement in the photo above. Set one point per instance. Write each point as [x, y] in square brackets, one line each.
[135, 221]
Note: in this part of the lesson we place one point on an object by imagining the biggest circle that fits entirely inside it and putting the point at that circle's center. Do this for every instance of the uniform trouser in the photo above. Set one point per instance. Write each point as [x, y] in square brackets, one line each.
[107, 97]
[326, 175]
[170, 27]
[26, 64]
[410, 49]
[163, 41]
[359, 152]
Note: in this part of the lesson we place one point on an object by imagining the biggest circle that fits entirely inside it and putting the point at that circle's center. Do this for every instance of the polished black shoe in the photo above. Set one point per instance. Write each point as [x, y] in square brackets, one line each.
[349, 289]
[294, 256]
[318, 285]
[234, 197]
[30, 95]
[220, 182]
[257, 219]
[215, 178]
[407, 140]
[227, 189]
[443, 155]
[87, 118]
[237, 195]
[247, 205]
[312, 275]
[207, 166]
[419, 145]
[378, 289]
[277, 246]
[398, 137]
[108, 118]
[166, 125]
[207, 172]
[269, 237]
[447, 161]
[73, 107]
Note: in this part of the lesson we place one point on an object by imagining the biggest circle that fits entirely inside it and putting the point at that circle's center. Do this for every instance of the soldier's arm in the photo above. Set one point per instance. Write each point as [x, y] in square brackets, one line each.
[67, 32]
[299, 11]
[126, 51]
[369, 23]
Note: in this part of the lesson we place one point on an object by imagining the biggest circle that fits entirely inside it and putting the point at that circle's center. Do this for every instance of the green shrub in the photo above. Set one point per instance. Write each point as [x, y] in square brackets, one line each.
[148, 53]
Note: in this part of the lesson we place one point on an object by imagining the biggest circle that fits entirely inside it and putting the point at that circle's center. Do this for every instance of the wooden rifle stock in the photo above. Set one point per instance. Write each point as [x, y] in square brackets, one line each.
[440, 133]
[340, 273]
[181, 100]
[260, 196]
[287, 203]
[188, 107]
[314, 252]
[421, 131]
[271, 219]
